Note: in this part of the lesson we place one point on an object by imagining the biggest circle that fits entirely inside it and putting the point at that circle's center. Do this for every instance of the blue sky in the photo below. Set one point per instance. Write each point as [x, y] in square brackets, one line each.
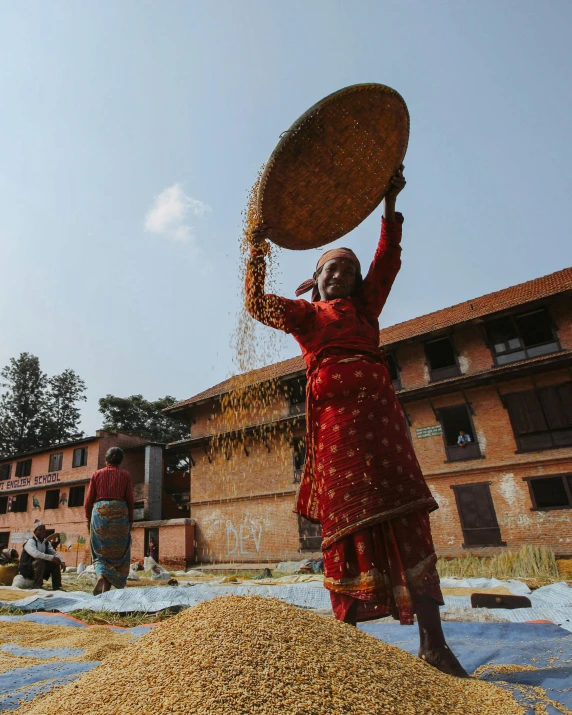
[131, 131]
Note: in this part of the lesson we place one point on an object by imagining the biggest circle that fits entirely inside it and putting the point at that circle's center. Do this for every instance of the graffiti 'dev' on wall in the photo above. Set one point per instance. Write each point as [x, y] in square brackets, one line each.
[244, 540]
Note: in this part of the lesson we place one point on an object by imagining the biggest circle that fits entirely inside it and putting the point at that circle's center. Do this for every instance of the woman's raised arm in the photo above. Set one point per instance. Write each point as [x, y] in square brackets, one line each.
[272, 310]
[387, 259]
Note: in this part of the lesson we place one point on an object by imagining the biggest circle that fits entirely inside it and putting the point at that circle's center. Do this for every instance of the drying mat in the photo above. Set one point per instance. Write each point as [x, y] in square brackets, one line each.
[333, 166]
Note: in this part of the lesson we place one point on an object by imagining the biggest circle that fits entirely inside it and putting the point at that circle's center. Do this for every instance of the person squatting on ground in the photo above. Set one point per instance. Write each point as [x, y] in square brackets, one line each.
[109, 514]
[361, 480]
[40, 560]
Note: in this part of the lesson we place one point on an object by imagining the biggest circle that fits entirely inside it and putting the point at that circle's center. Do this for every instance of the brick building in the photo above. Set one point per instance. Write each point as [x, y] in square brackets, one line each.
[498, 368]
[51, 485]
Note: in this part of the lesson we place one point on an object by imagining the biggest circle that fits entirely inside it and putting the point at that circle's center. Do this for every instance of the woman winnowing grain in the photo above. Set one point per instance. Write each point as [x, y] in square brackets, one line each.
[361, 481]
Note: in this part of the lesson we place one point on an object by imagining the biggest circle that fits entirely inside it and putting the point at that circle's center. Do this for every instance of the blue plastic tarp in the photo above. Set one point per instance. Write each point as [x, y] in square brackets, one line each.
[24, 684]
[542, 645]
[545, 646]
[552, 603]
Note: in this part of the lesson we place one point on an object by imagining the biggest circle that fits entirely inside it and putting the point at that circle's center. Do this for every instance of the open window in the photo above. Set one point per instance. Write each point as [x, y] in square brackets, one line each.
[477, 515]
[79, 457]
[554, 492]
[3, 505]
[541, 418]
[518, 337]
[394, 373]
[20, 503]
[310, 535]
[442, 359]
[77, 495]
[56, 461]
[298, 457]
[459, 433]
[24, 468]
[5, 470]
[4, 539]
[52, 500]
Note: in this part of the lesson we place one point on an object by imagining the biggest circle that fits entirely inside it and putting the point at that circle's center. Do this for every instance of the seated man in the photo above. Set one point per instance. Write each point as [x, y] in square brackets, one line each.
[464, 439]
[39, 560]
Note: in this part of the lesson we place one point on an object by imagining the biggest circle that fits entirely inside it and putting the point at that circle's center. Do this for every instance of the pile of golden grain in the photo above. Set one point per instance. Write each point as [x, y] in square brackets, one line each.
[249, 655]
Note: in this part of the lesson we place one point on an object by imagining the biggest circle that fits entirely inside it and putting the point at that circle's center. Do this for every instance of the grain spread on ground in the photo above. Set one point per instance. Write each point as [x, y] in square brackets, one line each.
[248, 656]
[95, 643]
[8, 594]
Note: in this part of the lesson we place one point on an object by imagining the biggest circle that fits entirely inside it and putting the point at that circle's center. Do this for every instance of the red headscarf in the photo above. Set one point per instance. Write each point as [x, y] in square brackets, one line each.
[312, 283]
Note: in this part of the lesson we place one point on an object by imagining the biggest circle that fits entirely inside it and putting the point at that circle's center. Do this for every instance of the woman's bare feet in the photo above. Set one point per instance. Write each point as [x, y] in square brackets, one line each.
[444, 660]
[101, 586]
[433, 648]
[98, 586]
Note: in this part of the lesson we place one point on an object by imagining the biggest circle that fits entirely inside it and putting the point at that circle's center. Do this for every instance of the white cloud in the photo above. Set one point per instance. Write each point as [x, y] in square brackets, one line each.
[170, 214]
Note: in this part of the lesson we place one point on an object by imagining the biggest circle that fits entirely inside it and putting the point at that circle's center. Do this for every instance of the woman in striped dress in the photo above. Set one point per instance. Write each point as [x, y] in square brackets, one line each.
[109, 514]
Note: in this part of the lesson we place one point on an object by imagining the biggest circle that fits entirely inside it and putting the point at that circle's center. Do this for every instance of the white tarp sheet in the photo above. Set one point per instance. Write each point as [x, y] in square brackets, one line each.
[518, 588]
[551, 603]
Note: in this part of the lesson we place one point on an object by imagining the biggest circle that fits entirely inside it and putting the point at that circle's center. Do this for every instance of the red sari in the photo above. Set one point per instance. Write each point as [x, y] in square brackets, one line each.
[362, 481]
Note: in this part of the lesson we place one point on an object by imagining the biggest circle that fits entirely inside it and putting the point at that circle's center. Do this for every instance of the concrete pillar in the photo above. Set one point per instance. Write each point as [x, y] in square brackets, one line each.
[154, 481]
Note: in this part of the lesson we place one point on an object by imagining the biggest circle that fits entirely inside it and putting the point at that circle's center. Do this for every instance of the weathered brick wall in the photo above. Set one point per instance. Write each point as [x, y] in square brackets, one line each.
[116, 439]
[473, 353]
[501, 465]
[41, 466]
[519, 524]
[248, 530]
[69, 520]
[212, 419]
[561, 313]
[263, 470]
[134, 463]
[66, 519]
[231, 524]
[269, 529]
[411, 361]
[176, 543]
[492, 426]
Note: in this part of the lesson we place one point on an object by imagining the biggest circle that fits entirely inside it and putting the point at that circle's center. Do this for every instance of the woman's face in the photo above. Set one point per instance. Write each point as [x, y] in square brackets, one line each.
[337, 279]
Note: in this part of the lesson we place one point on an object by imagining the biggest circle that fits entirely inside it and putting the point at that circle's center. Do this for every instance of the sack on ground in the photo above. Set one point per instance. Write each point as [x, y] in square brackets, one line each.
[7, 574]
[21, 582]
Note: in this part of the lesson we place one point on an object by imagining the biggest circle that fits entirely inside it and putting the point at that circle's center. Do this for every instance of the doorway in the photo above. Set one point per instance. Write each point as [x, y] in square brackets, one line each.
[152, 534]
[477, 514]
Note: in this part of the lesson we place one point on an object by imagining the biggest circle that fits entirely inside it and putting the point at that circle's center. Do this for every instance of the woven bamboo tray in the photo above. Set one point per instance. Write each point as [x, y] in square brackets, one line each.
[333, 166]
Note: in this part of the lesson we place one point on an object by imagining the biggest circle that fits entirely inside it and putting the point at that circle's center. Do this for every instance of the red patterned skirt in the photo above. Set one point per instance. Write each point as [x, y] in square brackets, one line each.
[372, 500]
[385, 568]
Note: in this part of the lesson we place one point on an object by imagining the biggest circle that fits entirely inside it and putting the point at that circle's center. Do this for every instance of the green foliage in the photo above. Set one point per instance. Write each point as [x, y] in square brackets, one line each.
[136, 415]
[37, 411]
[23, 405]
[65, 392]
